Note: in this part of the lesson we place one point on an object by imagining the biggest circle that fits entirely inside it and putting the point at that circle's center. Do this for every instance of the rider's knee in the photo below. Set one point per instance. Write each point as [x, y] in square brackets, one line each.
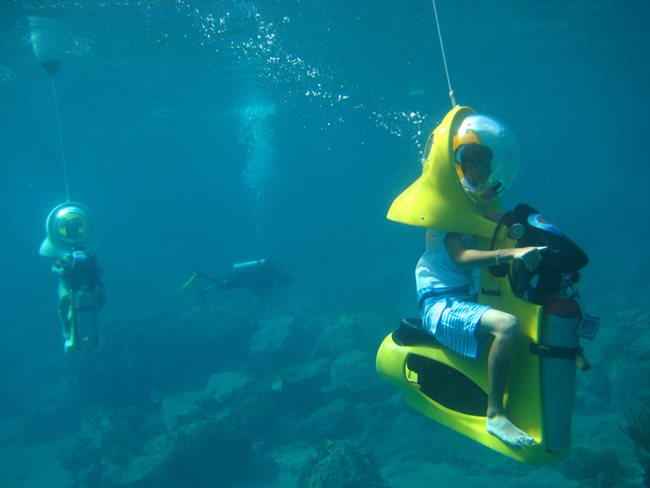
[508, 326]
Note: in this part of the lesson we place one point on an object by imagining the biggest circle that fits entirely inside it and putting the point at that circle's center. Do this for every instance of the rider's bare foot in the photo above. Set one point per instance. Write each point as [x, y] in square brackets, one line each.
[508, 432]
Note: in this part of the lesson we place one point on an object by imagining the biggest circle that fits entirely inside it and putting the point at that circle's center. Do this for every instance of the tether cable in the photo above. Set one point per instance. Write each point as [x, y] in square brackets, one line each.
[444, 58]
[58, 125]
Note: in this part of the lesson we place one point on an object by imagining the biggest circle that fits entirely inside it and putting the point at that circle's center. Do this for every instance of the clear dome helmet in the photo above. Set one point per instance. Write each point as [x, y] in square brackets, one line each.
[483, 130]
[69, 226]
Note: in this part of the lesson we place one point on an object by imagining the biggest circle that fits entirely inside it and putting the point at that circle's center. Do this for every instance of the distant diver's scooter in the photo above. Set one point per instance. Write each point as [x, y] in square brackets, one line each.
[72, 246]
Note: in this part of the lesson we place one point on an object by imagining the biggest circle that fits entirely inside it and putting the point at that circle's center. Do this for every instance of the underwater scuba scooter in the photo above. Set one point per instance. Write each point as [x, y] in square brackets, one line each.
[71, 242]
[450, 388]
[453, 390]
[553, 286]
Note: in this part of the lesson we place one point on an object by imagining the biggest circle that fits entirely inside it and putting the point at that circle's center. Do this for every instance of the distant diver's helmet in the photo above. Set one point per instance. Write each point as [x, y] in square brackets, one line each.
[493, 147]
[68, 226]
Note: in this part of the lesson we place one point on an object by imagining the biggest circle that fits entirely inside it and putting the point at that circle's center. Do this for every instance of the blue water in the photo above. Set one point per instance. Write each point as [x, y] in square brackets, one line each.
[204, 133]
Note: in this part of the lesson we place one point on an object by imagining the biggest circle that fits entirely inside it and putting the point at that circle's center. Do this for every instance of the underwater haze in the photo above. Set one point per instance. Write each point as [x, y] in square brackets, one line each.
[207, 133]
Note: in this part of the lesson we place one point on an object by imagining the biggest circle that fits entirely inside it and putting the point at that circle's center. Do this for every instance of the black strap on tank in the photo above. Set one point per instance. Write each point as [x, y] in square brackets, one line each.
[559, 352]
[569, 353]
[553, 351]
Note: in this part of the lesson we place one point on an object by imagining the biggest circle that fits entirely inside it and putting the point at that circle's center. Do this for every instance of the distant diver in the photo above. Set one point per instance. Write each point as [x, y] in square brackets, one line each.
[260, 277]
[71, 243]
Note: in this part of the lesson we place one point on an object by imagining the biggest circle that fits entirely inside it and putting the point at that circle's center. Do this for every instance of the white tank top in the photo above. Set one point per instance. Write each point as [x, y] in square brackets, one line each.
[436, 270]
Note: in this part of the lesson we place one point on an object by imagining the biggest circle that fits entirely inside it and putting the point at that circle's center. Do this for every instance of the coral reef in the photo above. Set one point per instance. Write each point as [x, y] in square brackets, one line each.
[107, 443]
[243, 399]
[342, 465]
[206, 452]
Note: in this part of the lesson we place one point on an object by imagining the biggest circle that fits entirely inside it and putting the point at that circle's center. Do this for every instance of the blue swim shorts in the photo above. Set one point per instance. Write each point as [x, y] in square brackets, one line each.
[452, 320]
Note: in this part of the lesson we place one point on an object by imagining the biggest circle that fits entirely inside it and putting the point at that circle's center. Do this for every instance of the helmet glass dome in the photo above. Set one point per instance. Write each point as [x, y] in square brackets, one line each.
[71, 224]
[487, 157]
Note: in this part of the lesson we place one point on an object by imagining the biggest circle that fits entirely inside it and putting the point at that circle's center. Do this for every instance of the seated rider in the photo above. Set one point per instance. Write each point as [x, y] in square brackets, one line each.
[79, 272]
[450, 312]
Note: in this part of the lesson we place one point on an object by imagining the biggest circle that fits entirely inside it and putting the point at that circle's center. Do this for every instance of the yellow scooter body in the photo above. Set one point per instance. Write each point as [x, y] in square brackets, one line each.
[438, 200]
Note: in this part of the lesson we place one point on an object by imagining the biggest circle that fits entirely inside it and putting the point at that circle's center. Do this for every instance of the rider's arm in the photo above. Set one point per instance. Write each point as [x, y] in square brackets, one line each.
[473, 258]
[58, 266]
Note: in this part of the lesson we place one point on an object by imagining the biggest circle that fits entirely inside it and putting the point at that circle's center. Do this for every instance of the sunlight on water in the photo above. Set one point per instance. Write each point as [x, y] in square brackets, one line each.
[256, 134]
[240, 30]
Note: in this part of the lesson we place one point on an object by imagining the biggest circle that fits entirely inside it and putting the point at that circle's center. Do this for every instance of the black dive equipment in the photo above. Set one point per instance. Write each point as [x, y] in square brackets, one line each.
[81, 276]
[85, 303]
[561, 260]
[553, 286]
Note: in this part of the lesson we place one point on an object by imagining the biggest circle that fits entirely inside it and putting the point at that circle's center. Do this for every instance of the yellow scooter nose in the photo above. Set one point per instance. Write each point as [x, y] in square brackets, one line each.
[437, 199]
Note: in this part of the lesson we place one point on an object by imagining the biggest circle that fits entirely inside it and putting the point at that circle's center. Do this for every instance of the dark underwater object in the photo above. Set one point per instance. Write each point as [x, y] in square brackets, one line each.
[637, 428]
